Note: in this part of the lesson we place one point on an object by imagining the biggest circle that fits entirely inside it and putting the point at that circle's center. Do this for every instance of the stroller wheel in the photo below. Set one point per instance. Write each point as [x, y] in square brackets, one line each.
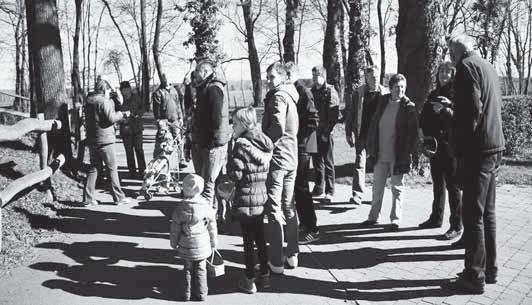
[148, 196]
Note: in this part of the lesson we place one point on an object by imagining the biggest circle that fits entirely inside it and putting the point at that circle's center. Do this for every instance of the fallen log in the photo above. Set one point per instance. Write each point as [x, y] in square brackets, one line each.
[16, 131]
[25, 182]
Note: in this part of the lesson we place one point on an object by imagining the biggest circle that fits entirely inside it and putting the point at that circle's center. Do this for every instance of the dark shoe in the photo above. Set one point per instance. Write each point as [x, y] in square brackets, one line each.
[452, 234]
[429, 224]
[309, 237]
[394, 227]
[459, 244]
[491, 277]
[264, 281]
[465, 286]
[355, 201]
[247, 285]
[369, 222]
[317, 193]
[198, 298]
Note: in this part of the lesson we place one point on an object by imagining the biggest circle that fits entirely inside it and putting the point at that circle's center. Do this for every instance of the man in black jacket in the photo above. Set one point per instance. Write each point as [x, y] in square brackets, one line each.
[327, 103]
[307, 145]
[210, 127]
[479, 143]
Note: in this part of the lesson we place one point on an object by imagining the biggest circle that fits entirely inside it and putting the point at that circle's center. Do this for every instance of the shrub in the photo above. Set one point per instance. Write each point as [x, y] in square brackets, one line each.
[517, 122]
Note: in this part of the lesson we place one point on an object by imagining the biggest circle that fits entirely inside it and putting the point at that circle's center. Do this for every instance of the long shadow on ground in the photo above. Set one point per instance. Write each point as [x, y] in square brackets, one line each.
[96, 274]
[85, 221]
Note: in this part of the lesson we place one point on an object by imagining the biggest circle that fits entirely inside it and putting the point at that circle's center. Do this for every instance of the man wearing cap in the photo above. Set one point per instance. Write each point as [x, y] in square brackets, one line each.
[131, 129]
[210, 127]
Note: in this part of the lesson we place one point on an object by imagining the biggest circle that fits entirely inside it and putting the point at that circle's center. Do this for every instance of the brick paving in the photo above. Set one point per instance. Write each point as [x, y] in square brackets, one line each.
[121, 255]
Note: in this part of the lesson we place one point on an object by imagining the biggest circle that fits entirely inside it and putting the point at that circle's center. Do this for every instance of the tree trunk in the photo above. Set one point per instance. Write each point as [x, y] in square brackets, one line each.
[31, 70]
[96, 46]
[419, 44]
[89, 44]
[45, 47]
[18, 49]
[382, 31]
[331, 44]
[357, 43]
[253, 56]
[75, 80]
[145, 89]
[292, 7]
[299, 30]
[155, 46]
[278, 30]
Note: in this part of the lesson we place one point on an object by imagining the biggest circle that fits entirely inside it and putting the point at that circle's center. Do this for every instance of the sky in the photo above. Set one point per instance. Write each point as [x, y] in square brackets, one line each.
[231, 41]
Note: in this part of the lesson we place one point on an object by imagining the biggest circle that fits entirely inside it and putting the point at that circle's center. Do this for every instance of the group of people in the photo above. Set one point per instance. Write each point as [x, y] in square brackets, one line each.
[460, 126]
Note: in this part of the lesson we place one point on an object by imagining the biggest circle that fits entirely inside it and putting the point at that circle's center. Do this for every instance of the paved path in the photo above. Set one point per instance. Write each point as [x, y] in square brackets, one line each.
[121, 255]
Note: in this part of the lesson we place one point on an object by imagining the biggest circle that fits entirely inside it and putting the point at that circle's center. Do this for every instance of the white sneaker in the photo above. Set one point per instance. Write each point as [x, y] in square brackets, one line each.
[292, 261]
[275, 269]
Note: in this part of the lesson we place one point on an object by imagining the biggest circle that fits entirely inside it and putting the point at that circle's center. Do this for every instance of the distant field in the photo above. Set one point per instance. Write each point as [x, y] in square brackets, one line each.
[240, 98]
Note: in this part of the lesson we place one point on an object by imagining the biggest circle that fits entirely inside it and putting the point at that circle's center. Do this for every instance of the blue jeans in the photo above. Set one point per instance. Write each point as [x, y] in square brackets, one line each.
[195, 283]
[208, 163]
[478, 215]
[280, 187]
[99, 153]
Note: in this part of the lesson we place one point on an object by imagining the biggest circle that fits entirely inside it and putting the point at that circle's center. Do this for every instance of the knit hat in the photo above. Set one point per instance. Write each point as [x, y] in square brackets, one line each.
[192, 185]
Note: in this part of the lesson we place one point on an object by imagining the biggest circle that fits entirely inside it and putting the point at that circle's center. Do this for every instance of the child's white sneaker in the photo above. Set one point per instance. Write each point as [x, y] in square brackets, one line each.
[247, 285]
[292, 261]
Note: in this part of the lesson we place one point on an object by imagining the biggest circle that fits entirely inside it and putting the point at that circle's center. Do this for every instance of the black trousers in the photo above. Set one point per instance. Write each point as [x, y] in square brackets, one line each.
[479, 215]
[324, 165]
[253, 233]
[304, 203]
[443, 172]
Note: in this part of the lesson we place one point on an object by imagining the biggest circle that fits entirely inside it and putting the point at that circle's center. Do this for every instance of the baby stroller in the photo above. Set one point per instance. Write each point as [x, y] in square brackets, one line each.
[162, 173]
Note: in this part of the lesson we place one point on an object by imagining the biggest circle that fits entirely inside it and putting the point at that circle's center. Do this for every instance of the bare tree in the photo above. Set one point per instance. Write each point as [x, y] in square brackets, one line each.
[358, 40]
[156, 37]
[76, 82]
[292, 7]
[253, 56]
[331, 44]
[126, 44]
[145, 89]
[15, 17]
[114, 60]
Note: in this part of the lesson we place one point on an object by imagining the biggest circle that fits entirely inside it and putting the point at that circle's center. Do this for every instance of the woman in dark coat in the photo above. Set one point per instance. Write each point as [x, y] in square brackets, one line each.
[435, 123]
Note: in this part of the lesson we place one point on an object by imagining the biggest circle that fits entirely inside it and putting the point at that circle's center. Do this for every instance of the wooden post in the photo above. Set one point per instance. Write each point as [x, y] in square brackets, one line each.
[43, 160]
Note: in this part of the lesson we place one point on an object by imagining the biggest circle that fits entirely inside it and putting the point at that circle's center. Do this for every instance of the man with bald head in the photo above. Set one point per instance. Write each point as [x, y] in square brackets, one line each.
[210, 126]
[478, 141]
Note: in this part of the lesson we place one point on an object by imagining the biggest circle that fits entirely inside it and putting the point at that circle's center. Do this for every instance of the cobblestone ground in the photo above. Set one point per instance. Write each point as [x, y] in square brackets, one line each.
[121, 255]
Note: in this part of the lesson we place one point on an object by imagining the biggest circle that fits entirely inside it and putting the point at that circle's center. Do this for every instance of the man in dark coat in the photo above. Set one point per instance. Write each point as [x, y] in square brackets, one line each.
[479, 143]
[307, 145]
[131, 129]
[359, 113]
[327, 103]
[210, 127]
